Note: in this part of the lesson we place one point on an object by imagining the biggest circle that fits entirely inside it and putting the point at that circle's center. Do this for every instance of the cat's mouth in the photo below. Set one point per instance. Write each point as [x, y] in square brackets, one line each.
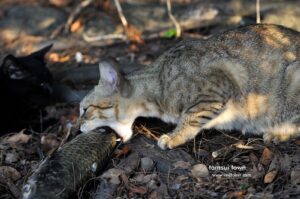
[123, 130]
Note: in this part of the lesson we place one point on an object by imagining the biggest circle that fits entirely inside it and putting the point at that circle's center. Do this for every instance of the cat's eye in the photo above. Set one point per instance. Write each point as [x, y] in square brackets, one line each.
[103, 107]
[16, 72]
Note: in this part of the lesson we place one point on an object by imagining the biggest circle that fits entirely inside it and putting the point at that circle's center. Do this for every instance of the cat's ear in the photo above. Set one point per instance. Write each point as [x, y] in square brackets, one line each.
[40, 54]
[113, 80]
[108, 75]
[12, 69]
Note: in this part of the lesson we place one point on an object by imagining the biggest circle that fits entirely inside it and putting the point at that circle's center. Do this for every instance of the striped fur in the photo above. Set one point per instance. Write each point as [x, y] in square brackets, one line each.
[246, 79]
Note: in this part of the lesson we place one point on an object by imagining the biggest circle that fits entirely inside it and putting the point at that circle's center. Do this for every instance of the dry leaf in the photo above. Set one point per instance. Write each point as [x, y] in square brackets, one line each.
[270, 176]
[273, 170]
[124, 151]
[49, 142]
[297, 141]
[236, 194]
[134, 34]
[76, 25]
[266, 157]
[55, 57]
[60, 3]
[138, 189]
[182, 165]
[19, 138]
[9, 172]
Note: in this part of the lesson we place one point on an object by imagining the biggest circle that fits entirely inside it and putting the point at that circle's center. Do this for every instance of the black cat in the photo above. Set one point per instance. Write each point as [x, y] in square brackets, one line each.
[25, 86]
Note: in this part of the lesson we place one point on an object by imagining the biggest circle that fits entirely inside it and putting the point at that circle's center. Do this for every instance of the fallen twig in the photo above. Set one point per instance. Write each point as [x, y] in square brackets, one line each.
[257, 11]
[103, 37]
[132, 33]
[175, 22]
[74, 14]
[143, 130]
[227, 149]
[121, 15]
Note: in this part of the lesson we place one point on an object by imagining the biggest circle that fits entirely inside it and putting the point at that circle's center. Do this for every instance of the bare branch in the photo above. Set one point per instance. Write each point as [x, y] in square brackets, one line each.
[103, 37]
[74, 14]
[175, 22]
[257, 11]
[121, 15]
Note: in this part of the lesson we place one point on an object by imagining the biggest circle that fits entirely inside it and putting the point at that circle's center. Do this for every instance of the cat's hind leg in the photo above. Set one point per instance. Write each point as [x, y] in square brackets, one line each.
[282, 132]
[190, 124]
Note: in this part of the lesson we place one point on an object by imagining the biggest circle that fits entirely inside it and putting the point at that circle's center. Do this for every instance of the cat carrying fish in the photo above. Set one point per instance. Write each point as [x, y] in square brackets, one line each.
[246, 79]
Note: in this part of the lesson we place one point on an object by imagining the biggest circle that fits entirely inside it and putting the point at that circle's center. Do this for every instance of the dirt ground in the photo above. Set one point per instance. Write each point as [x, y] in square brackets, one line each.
[214, 165]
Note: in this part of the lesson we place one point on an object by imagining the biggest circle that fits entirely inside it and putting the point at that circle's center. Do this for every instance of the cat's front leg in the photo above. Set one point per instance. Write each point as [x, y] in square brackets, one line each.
[190, 125]
[182, 134]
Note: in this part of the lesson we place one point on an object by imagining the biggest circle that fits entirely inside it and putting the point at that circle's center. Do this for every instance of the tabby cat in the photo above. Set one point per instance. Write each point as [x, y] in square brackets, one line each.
[247, 79]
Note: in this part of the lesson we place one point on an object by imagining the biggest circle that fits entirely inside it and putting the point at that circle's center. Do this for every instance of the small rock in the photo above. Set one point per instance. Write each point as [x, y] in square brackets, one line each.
[147, 164]
[295, 176]
[143, 179]
[177, 183]
[11, 158]
[199, 171]
[176, 186]
[130, 163]
[113, 175]
[152, 185]
[251, 190]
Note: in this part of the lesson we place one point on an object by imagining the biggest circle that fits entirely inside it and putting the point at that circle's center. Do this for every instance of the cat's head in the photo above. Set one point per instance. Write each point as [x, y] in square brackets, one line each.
[109, 103]
[27, 76]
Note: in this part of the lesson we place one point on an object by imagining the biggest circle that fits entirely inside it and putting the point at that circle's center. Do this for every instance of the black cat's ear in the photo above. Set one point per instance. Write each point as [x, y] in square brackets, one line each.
[12, 69]
[40, 54]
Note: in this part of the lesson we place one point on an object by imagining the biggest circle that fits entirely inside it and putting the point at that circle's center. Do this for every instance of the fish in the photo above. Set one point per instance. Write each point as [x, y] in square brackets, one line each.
[71, 166]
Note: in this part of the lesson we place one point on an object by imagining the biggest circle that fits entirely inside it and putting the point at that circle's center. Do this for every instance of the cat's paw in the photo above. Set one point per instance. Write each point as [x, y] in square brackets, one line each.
[275, 138]
[269, 138]
[164, 142]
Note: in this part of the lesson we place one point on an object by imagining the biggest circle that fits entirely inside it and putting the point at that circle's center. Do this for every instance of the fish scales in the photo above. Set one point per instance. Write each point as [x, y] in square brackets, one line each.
[61, 174]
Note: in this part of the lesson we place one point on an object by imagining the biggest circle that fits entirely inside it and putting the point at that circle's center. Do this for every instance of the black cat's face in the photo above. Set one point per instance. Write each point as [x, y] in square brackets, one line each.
[27, 77]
